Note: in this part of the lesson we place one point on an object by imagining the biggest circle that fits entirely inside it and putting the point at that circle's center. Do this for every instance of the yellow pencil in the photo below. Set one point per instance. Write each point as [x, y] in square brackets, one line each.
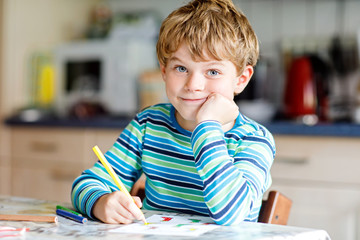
[112, 174]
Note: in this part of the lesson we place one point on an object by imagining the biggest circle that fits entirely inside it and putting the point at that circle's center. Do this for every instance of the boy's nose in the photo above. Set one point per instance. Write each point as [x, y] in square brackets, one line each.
[195, 82]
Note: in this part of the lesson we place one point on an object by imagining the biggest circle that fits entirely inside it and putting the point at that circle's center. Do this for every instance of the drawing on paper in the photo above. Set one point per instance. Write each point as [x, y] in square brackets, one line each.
[162, 224]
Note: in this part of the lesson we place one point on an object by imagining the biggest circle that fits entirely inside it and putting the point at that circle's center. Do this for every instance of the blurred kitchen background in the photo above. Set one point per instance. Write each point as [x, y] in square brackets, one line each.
[73, 73]
[98, 57]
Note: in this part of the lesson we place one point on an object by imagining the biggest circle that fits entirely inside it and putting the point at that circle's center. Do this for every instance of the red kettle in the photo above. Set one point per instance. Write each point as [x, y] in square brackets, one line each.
[307, 88]
[300, 92]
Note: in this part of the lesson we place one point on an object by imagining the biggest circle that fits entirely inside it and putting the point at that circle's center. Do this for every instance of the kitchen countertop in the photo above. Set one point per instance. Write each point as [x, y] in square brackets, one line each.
[320, 129]
[96, 122]
[276, 127]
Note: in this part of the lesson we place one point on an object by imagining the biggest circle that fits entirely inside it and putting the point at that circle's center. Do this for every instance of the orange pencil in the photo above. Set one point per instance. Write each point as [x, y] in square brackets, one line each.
[31, 218]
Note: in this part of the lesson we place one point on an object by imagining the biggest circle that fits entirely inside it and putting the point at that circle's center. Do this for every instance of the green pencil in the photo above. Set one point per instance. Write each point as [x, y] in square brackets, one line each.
[68, 210]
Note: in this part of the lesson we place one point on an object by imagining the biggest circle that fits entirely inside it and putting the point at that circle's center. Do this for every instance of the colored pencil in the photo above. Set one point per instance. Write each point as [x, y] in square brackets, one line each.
[68, 210]
[31, 218]
[71, 216]
[12, 232]
[113, 175]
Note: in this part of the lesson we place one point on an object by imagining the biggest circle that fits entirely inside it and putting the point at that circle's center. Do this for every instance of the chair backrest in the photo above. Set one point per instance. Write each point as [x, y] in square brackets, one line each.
[276, 209]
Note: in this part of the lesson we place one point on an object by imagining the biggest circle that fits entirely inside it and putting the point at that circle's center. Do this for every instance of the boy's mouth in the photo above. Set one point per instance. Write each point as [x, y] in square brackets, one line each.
[194, 100]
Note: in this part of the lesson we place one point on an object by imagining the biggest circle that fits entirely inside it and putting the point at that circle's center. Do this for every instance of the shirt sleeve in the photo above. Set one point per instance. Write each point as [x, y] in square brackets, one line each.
[232, 184]
[124, 157]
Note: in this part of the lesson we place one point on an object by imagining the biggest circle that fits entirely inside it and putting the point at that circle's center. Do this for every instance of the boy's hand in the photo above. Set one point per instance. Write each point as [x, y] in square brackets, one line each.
[115, 207]
[218, 108]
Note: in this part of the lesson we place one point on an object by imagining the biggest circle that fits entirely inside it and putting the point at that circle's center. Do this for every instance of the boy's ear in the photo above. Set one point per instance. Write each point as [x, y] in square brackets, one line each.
[244, 79]
[163, 71]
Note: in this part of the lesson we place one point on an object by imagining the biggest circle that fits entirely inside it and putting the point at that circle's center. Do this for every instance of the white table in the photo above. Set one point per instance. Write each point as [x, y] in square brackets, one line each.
[67, 229]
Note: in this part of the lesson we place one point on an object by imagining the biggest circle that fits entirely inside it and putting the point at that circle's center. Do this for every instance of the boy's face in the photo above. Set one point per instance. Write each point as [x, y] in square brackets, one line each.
[189, 83]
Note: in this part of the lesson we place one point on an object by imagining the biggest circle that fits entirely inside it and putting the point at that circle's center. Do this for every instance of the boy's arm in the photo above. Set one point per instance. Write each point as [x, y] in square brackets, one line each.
[86, 190]
[233, 186]
[124, 156]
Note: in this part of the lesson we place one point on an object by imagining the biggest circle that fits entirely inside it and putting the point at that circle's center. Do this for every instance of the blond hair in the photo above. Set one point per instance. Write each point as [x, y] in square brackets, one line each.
[213, 26]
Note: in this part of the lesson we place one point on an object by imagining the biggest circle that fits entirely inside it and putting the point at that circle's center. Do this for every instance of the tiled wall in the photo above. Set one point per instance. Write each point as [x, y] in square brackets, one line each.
[298, 24]
[274, 20]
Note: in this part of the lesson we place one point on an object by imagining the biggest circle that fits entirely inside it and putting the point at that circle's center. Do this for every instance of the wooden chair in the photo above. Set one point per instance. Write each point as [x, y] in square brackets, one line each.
[276, 209]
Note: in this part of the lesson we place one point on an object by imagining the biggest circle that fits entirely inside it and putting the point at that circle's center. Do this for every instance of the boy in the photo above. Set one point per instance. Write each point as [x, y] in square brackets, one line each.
[199, 154]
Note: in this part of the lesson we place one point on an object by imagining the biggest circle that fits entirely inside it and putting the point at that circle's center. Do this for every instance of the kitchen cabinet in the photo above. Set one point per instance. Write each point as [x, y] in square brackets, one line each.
[5, 163]
[4, 179]
[45, 161]
[4, 160]
[320, 175]
[106, 138]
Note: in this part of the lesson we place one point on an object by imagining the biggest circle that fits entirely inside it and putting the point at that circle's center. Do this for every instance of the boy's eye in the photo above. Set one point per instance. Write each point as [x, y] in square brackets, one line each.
[181, 69]
[213, 72]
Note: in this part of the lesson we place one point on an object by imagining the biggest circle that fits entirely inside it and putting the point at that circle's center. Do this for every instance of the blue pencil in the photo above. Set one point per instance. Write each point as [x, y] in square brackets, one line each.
[71, 216]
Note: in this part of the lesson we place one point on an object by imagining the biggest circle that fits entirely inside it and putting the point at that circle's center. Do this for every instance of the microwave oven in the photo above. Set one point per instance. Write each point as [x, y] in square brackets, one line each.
[102, 71]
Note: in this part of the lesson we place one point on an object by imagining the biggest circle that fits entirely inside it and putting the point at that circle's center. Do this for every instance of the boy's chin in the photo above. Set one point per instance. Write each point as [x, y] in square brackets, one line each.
[187, 117]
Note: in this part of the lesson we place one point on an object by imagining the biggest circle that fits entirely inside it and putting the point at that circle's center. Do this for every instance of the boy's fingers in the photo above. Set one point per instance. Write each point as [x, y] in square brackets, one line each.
[125, 213]
[136, 212]
[122, 219]
[137, 201]
[130, 206]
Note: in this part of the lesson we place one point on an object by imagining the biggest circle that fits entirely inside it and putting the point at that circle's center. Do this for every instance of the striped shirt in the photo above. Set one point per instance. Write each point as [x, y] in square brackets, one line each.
[205, 172]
